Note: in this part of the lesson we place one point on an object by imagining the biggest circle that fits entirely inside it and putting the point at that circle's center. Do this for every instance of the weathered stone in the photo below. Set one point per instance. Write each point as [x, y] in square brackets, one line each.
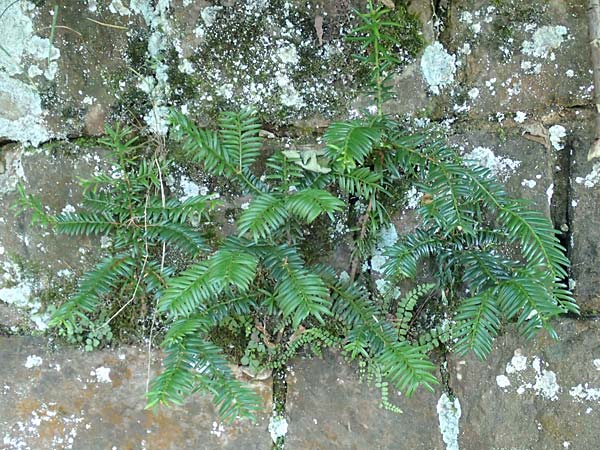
[329, 408]
[72, 400]
[518, 56]
[33, 259]
[525, 167]
[538, 394]
[584, 217]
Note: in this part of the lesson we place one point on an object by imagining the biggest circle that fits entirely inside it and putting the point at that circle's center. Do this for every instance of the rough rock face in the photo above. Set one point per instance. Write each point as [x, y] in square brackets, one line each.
[506, 82]
[330, 409]
[532, 394]
[73, 400]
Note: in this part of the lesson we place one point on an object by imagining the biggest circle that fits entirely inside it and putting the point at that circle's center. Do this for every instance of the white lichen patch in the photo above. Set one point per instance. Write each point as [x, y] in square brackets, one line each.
[33, 361]
[544, 41]
[19, 291]
[438, 67]
[23, 52]
[500, 167]
[518, 363]
[528, 183]
[520, 117]
[117, 7]
[545, 383]
[502, 381]
[20, 46]
[21, 114]
[102, 374]
[592, 178]
[585, 393]
[157, 18]
[550, 193]
[278, 427]
[449, 413]
[556, 134]
[56, 429]
[535, 378]
[387, 238]
[413, 198]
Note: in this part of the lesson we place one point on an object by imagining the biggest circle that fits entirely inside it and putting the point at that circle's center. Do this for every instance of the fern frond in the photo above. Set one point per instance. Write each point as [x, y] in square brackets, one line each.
[83, 223]
[189, 291]
[300, 293]
[231, 266]
[449, 192]
[179, 212]
[349, 143]
[406, 366]
[405, 254]
[308, 204]
[240, 138]
[177, 380]
[265, 214]
[407, 304]
[527, 295]
[479, 322]
[539, 244]
[195, 364]
[181, 236]
[360, 181]
[99, 281]
[483, 269]
[202, 146]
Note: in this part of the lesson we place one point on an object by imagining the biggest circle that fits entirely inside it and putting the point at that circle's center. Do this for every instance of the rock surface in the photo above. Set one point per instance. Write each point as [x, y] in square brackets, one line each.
[329, 408]
[94, 401]
[540, 394]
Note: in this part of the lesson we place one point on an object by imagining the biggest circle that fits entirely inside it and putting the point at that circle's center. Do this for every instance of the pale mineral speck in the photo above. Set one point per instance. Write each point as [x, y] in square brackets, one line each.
[209, 14]
[520, 117]
[570, 73]
[217, 429]
[473, 93]
[528, 183]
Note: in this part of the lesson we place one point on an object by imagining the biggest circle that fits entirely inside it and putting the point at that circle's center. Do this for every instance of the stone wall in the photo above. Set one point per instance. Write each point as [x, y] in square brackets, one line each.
[507, 82]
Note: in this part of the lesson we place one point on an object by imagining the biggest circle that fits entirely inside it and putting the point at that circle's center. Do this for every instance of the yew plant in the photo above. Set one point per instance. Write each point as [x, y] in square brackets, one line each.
[492, 259]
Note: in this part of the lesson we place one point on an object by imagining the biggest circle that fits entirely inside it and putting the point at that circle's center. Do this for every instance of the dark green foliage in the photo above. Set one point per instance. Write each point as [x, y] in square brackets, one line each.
[126, 207]
[492, 258]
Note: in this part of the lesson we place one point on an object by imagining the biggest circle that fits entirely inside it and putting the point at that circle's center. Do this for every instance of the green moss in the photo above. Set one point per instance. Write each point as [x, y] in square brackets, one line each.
[184, 87]
[132, 104]
[137, 51]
